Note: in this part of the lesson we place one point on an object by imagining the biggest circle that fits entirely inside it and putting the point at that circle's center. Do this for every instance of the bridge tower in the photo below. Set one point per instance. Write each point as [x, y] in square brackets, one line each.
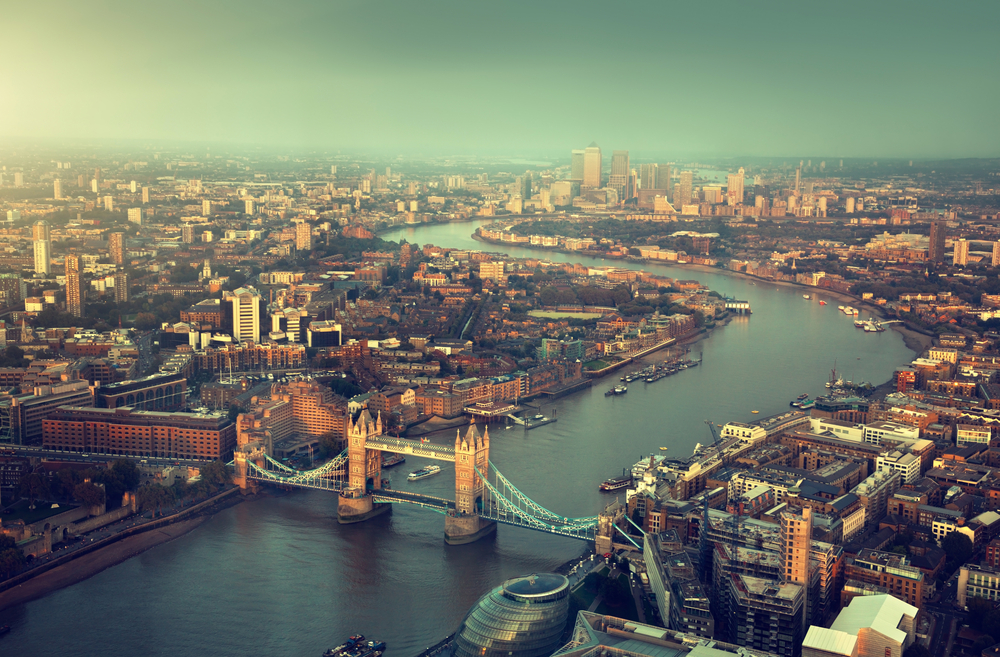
[464, 525]
[363, 466]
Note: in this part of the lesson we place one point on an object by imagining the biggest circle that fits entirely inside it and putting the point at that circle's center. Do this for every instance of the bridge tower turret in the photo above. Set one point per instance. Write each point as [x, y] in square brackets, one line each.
[464, 524]
[363, 465]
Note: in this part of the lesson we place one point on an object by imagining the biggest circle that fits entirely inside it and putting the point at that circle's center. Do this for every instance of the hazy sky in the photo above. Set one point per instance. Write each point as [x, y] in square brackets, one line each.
[878, 79]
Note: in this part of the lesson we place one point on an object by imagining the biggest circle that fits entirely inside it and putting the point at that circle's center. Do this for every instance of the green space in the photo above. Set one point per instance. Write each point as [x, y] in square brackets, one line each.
[556, 314]
[42, 510]
[596, 365]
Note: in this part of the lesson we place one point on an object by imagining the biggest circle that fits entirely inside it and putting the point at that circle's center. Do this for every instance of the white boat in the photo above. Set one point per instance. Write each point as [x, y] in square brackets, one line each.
[840, 308]
[806, 296]
[423, 473]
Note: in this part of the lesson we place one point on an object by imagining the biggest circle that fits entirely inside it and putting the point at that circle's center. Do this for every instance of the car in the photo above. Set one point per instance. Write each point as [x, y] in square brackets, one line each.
[607, 555]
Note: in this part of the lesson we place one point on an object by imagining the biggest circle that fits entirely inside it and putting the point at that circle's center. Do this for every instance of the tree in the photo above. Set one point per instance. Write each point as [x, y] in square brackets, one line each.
[216, 473]
[127, 473]
[614, 592]
[34, 486]
[89, 494]
[979, 610]
[145, 321]
[11, 557]
[958, 547]
[154, 498]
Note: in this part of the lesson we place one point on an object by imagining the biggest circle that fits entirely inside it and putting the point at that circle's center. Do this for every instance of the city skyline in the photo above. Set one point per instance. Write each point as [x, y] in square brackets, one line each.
[430, 78]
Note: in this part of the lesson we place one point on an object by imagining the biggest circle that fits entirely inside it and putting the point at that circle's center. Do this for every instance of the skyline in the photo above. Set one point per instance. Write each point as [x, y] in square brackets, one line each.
[771, 80]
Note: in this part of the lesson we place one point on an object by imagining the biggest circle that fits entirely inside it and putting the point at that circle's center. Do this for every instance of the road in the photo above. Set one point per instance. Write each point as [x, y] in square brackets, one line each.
[77, 457]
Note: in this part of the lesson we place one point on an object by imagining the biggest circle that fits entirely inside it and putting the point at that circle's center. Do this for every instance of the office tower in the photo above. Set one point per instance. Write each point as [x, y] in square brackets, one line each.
[592, 167]
[682, 190]
[663, 177]
[576, 169]
[109, 203]
[132, 187]
[121, 287]
[996, 254]
[734, 189]
[206, 207]
[245, 306]
[411, 188]
[187, 234]
[526, 189]
[795, 544]
[135, 215]
[57, 189]
[798, 178]
[145, 194]
[94, 187]
[74, 290]
[961, 254]
[849, 205]
[647, 176]
[618, 180]
[248, 206]
[632, 188]
[938, 236]
[79, 181]
[116, 245]
[303, 237]
[43, 247]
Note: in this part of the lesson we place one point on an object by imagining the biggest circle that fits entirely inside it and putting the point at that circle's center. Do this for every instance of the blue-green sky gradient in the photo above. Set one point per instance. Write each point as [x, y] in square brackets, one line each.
[838, 79]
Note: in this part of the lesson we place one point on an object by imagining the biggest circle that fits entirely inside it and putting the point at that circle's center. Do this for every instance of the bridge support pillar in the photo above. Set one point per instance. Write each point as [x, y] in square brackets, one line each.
[354, 507]
[461, 529]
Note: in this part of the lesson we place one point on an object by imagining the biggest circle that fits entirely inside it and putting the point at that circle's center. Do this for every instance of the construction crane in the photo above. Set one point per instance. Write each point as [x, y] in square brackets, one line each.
[736, 509]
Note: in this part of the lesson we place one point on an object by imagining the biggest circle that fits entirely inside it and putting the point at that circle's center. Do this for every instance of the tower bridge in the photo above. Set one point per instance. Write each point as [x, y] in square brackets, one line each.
[483, 496]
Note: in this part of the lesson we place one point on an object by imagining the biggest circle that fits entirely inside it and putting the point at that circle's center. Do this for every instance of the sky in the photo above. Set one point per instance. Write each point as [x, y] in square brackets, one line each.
[675, 79]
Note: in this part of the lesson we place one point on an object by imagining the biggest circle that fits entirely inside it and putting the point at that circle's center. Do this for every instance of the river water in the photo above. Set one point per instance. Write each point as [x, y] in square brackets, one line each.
[279, 576]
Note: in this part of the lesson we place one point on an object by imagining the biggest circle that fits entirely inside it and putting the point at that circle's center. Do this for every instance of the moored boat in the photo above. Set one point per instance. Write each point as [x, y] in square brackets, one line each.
[393, 459]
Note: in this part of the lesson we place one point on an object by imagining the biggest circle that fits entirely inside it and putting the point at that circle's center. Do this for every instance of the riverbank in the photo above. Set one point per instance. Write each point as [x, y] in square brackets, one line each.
[116, 550]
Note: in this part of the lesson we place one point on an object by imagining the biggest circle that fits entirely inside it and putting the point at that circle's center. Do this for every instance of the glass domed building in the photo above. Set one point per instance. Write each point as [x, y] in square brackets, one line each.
[524, 616]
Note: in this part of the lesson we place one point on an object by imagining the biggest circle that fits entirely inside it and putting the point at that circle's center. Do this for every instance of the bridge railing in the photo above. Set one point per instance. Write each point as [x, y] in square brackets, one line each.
[502, 506]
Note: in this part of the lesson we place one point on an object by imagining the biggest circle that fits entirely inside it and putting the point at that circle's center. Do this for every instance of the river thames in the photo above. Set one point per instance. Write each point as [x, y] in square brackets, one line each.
[279, 576]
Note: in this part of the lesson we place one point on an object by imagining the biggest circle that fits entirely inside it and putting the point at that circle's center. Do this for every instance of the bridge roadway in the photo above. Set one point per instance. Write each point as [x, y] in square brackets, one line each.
[427, 501]
[414, 447]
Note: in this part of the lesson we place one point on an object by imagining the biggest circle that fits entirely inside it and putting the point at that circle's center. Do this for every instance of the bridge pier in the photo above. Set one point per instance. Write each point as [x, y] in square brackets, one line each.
[353, 507]
[461, 529]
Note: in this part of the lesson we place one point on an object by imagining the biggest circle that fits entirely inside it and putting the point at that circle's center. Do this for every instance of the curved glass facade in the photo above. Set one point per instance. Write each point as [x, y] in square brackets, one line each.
[524, 616]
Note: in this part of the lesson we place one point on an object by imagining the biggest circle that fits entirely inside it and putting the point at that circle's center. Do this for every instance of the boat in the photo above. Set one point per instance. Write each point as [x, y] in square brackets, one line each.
[663, 449]
[840, 307]
[616, 483]
[804, 395]
[806, 296]
[423, 473]
[755, 412]
[858, 324]
[394, 459]
[356, 646]
[822, 303]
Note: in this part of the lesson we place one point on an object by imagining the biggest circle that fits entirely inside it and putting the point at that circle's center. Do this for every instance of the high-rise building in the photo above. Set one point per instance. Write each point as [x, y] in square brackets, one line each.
[939, 232]
[248, 206]
[94, 186]
[43, 247]
[109, 203]
[133, 187]
[74, 288]
[135, 215]
[996, 254]
[794, 546]
[303, 237]
[663, 177]
[526, 188]
[798, 179]
[18, 179]
[592, 167]
[576, 168]
[206, 207]
[12, 289]
[734, 190]
[618, 180]
[245, 307]
[116, 245]
[121, 287]
[57, 189]
[80, 181]
[961, 254]
[682, 190]
[647, 176]
[187, 233]
[145, 195]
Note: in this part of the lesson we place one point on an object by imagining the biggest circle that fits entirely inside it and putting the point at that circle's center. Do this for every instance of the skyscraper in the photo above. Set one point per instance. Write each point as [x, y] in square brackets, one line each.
[57, 189]
[43, 252]
[618, 180]
[795, 543]
[938, 236]
[592, 167]
[245, 304]
[248, 206]
[576, 170]
[647, 176]
[303, 237]
[116, 245]
[74, 289]
[961, 254]
[663, 177]
[734, 189]
[798, 179]
[682, 190]
[187, 234]
[121, 287]
[145, 195]
[526, 189]
[132, 187]
[206, 207]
